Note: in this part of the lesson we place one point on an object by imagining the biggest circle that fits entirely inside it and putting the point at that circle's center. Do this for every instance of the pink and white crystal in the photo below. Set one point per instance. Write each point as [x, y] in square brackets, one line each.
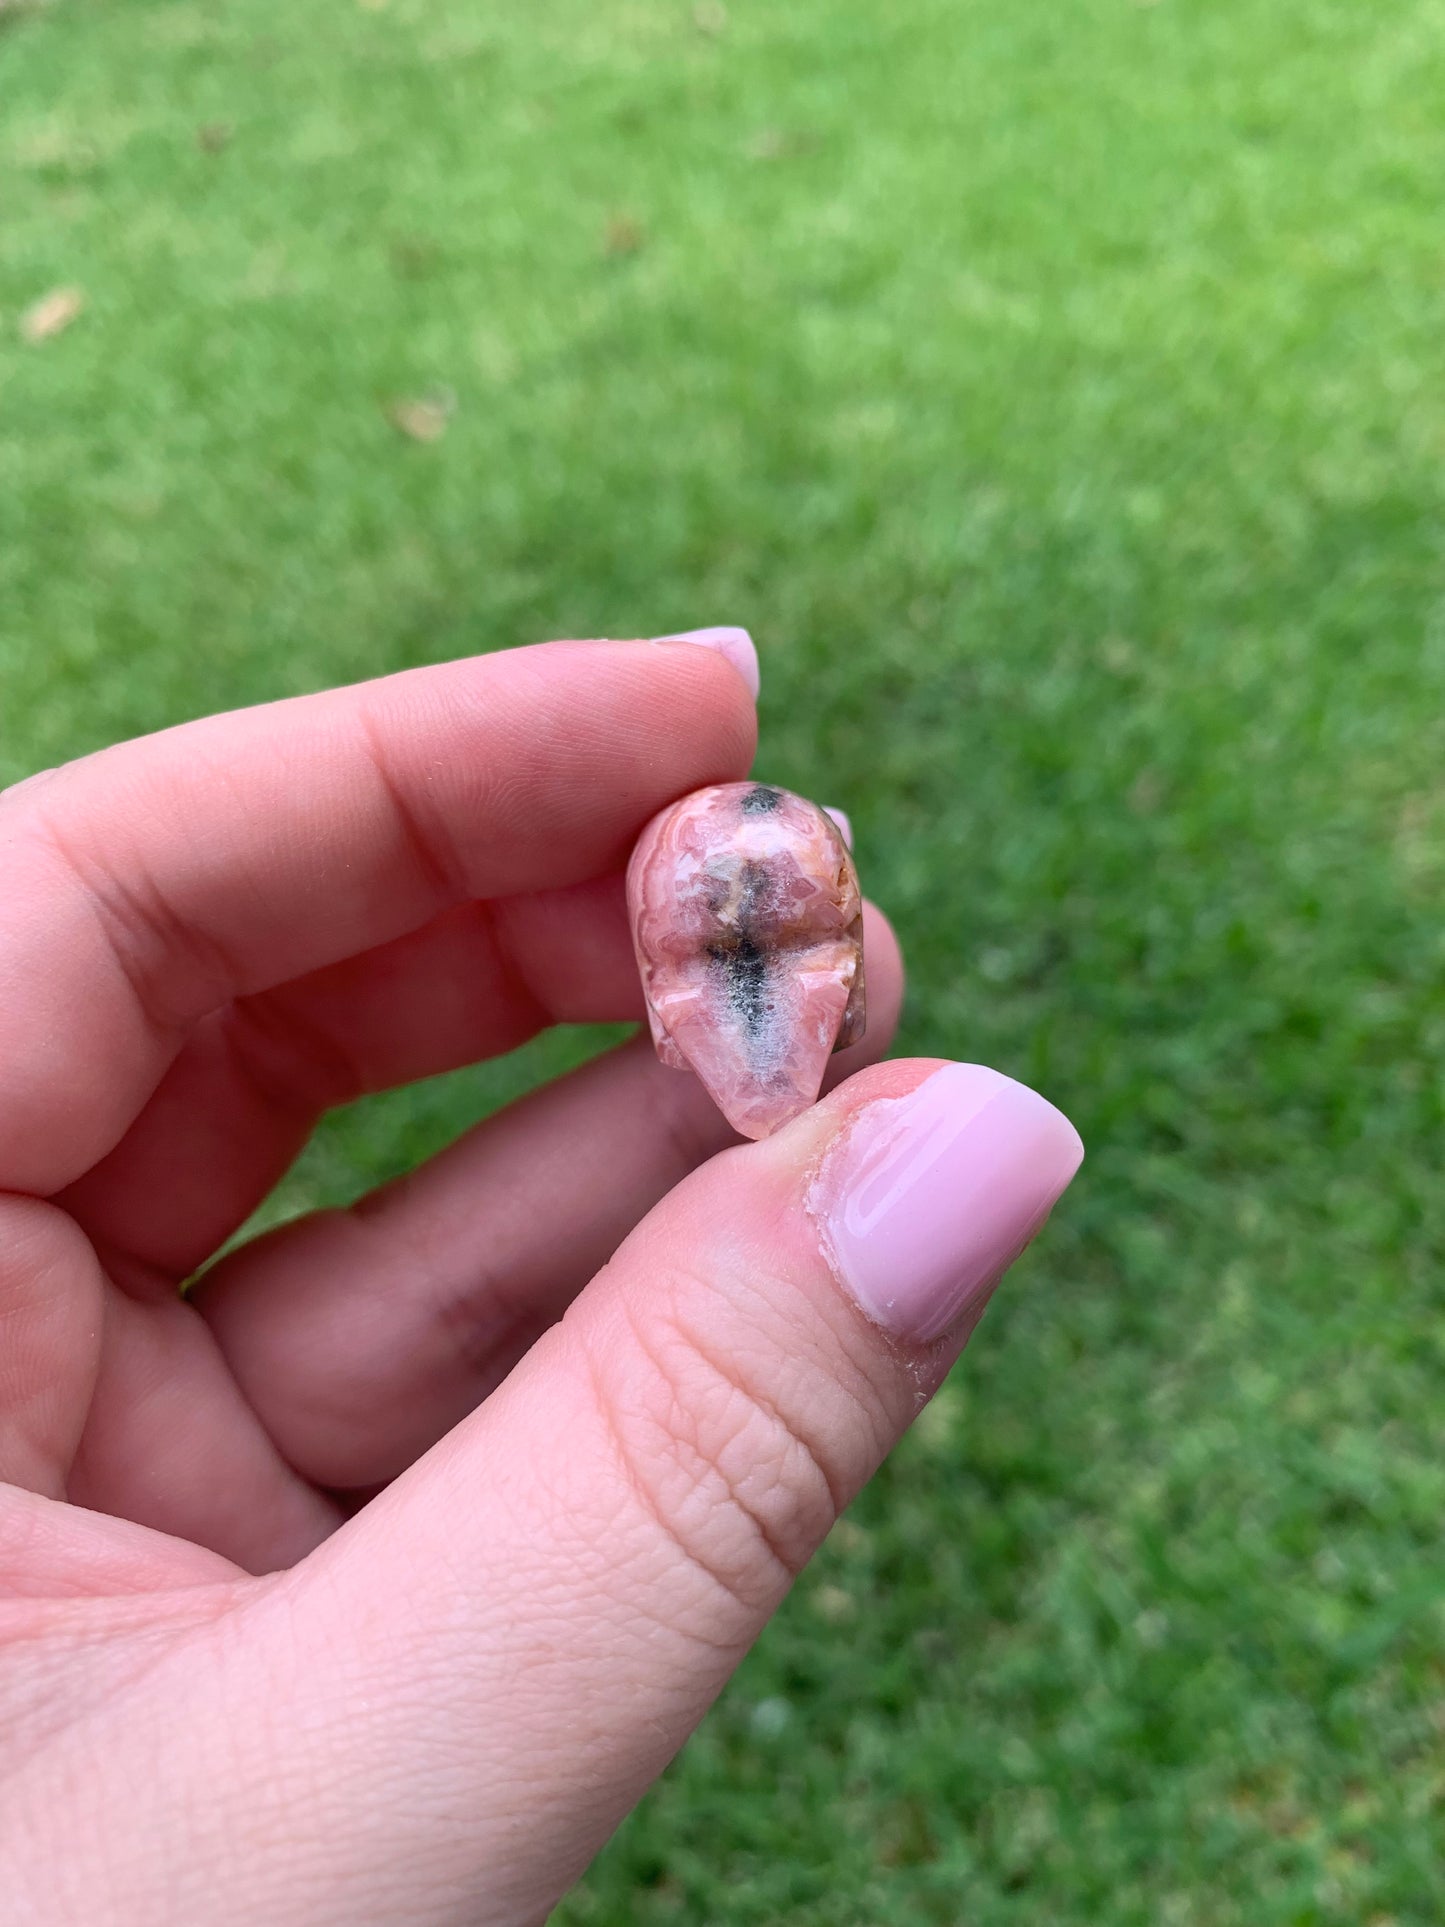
[748, 927]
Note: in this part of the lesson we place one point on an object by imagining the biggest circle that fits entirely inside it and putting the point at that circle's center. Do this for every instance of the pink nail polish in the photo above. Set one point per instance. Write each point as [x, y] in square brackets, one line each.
[736, 644]
[842, 819]
[928, 1199]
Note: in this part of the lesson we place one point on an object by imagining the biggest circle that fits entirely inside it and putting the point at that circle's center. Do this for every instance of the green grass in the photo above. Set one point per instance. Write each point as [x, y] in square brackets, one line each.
[1055, 391]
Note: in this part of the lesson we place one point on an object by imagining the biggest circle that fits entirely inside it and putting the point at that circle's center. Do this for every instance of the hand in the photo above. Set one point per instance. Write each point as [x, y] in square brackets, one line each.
[229, 1690]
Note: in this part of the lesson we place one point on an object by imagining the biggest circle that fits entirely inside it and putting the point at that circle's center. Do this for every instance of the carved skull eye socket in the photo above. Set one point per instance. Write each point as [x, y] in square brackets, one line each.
[747, 922]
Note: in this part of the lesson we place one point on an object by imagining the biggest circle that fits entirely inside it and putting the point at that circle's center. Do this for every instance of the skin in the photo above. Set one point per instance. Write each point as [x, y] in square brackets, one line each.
[271, 1699]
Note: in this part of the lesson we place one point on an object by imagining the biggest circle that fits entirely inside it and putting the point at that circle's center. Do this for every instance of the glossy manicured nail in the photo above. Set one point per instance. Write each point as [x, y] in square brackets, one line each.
[840, 817]
[736, 644]
[928, 1199]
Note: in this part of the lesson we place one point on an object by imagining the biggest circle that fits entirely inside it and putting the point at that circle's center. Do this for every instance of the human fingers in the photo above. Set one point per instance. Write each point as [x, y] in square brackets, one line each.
[156, 881]
[486, 1668]
[169, 1442]
[350, 1341]
[359, 1337]
[128, 1407]
[252, 1080]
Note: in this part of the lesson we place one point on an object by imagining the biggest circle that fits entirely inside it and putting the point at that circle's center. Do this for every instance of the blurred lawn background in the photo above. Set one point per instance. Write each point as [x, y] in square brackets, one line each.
[1056, 391]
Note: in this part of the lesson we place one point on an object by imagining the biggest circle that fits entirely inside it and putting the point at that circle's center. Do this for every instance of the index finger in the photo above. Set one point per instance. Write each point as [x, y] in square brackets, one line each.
[153, 882]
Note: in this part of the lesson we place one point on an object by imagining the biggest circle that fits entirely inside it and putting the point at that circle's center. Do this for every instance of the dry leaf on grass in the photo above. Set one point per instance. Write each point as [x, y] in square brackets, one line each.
[421, 418]
[623, 236]
[51, 314]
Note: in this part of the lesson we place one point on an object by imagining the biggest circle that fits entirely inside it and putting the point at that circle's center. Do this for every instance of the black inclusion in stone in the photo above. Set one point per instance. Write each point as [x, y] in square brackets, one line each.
[760, 800]
[745, 974]
[742, 961]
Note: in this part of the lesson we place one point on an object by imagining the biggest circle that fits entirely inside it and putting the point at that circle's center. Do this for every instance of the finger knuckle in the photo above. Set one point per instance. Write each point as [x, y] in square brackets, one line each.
[174, 969]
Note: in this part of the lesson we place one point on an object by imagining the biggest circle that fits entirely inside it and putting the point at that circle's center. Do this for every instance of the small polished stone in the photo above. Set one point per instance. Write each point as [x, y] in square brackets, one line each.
[748, 927]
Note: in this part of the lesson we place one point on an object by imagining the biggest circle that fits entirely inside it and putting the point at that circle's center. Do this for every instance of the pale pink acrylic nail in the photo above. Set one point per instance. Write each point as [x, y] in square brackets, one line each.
[929, 1198]
[736, 644]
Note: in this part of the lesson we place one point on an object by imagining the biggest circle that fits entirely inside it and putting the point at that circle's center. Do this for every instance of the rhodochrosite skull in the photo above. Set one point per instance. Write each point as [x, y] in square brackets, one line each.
[748, 927]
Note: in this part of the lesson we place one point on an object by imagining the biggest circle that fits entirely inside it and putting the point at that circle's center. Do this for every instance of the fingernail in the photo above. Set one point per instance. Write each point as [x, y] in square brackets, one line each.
[840, 817]
[736, 644]
[929, 1198]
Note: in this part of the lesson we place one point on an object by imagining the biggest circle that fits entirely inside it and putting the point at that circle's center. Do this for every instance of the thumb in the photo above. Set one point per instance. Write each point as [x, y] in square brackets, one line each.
[517, 1637]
